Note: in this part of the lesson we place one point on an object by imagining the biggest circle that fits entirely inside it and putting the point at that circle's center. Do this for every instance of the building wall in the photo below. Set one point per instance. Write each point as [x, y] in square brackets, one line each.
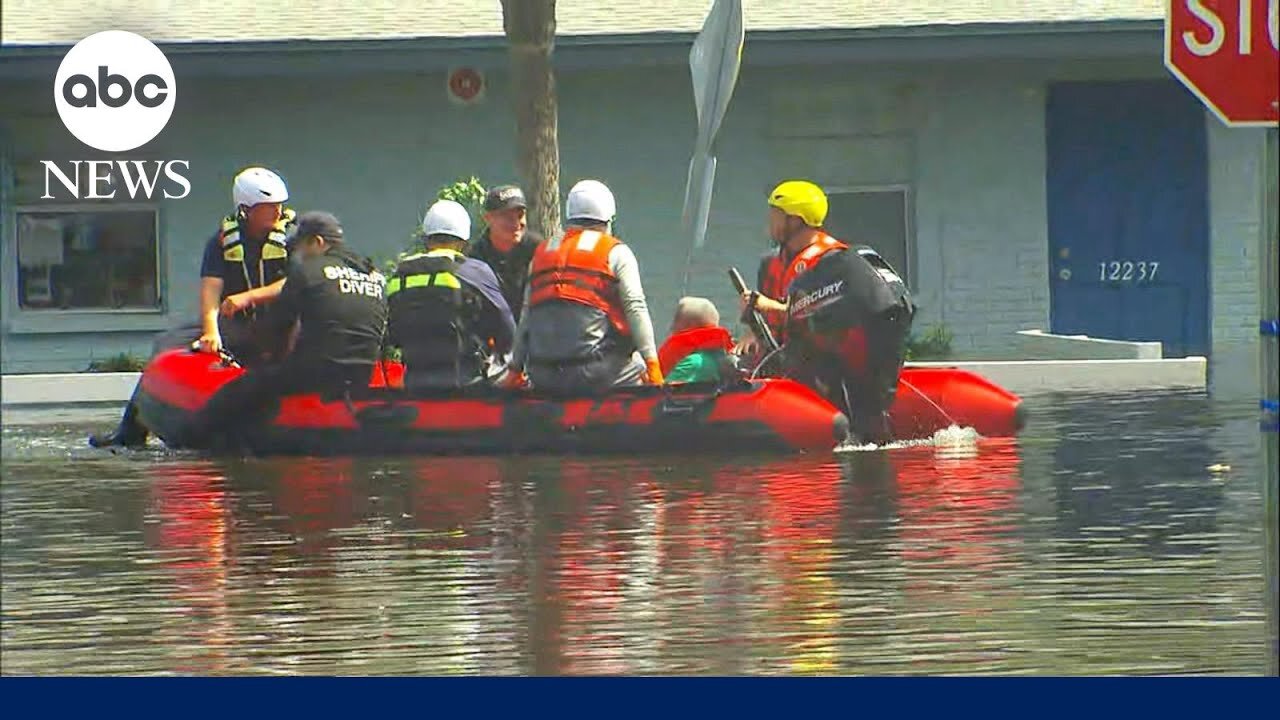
[967, 139]
[1236, 210]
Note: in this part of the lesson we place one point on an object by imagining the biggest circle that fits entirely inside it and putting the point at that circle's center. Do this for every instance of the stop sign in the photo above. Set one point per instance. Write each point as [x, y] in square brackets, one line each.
[1228, 53]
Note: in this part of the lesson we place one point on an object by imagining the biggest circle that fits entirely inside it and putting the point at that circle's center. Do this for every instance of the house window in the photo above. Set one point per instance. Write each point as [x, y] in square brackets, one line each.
[879, 217]
[88, 259]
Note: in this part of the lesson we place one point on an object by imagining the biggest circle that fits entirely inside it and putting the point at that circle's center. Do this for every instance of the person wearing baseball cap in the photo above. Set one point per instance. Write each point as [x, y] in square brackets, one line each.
[447, 312]
[506, 244]
[332, 307]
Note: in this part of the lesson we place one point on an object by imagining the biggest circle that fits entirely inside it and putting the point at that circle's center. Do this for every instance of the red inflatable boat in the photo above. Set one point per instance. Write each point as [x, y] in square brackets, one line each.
[772, 415]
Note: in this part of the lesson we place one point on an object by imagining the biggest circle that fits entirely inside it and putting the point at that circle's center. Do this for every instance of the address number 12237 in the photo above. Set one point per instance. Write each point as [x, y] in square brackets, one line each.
[1128, 271]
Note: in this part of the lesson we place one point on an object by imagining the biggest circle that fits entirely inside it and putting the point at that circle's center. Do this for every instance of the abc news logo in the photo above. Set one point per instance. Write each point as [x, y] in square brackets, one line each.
[102, 90]
[115, 92]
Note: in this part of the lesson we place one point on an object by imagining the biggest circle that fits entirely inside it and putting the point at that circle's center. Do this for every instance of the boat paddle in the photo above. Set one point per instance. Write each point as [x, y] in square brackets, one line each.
[751, 316]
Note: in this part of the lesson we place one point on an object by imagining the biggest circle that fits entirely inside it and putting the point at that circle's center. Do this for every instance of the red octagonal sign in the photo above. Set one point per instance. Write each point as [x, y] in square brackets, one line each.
[1228, 53]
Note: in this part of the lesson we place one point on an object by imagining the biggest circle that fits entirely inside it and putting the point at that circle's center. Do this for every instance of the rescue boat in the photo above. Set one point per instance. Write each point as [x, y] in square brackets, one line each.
[762, 415]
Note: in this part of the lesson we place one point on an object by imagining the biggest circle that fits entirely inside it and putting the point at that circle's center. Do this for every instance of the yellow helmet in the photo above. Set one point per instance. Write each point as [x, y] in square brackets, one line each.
[802, 199]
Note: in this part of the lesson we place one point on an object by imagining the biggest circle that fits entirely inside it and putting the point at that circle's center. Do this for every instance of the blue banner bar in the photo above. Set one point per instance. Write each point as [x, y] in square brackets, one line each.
[1270, 327]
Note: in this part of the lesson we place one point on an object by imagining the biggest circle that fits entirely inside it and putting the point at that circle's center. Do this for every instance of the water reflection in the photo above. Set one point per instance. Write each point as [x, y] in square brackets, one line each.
[1124, 488]
[969, 558]
[1138, 516]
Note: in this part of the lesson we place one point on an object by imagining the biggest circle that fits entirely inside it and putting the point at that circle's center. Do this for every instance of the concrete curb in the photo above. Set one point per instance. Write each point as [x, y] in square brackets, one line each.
[1023, 377]
[67, 388]
[1030, 377]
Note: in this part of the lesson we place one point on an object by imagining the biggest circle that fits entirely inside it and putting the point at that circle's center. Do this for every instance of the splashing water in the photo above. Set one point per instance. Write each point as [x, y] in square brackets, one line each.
[955, 436]
[954, 439]
[956, 442]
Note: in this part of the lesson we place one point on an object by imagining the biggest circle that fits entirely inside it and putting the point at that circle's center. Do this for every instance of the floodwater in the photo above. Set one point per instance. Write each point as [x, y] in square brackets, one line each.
[1120, 534]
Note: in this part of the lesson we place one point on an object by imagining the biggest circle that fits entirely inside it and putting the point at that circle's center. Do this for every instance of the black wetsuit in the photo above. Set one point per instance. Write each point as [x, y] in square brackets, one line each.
[848, 320]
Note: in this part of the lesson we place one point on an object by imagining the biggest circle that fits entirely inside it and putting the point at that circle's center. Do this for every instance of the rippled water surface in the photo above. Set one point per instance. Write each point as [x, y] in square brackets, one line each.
[1118, 535]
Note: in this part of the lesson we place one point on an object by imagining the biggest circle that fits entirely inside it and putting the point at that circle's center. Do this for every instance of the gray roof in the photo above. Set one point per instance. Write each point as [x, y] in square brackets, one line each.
[60, 22]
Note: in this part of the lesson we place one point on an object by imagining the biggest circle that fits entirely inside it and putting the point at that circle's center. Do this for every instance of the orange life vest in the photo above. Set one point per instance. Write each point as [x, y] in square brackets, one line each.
[778, 275]
[575, 268]
[686, 342]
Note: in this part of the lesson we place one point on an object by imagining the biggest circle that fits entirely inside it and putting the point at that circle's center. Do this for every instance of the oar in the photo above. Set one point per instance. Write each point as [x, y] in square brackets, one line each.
[752, 317]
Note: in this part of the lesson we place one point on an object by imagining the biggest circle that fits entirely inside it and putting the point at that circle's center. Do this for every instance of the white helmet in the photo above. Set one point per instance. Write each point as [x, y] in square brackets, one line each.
[590, 200]
[447, 217]
[258, 185]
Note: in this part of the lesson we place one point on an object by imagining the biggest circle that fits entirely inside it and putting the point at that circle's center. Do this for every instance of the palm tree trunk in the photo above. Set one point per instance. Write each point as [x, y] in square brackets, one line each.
[530, 27]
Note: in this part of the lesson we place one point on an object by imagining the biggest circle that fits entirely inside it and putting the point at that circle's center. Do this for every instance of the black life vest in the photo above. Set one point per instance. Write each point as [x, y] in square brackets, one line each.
[433, 316]
[848, 318]
[837, 311]
[273, 262]
[847, 288]
[898, 295]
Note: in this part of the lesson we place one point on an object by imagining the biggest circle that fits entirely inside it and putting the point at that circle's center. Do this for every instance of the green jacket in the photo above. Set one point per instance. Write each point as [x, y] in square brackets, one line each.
[700, 366]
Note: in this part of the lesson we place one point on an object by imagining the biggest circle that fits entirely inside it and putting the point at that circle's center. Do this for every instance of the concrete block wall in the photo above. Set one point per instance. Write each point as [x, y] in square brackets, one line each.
[1237, 163]
[71, 352]
[982, 234]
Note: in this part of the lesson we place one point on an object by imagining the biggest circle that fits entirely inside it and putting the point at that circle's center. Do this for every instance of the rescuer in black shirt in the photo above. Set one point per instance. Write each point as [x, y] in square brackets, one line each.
[333, 302]
[506, 245]
[848, 319]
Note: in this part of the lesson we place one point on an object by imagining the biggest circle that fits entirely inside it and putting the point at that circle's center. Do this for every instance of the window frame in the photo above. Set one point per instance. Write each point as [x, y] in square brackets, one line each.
[31, 321]
[908, 220]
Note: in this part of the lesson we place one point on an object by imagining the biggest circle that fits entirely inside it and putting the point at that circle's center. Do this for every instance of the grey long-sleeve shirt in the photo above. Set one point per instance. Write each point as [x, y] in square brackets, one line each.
[568, 330]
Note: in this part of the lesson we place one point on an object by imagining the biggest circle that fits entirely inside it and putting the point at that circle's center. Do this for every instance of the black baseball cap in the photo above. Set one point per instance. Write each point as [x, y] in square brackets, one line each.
[316, 222]
[504, 197]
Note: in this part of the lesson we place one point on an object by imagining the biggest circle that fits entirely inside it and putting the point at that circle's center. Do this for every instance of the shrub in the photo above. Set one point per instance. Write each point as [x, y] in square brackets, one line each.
[121, 362]
[933, 344]
[470, 192]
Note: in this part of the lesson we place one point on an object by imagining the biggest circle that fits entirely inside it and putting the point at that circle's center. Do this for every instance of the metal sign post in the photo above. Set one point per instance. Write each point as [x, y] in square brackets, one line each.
[1269, 311]
[1227, 52]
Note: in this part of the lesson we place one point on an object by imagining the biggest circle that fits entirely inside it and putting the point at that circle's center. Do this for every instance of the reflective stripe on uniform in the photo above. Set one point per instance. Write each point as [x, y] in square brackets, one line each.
[440, 279]
[274, 247]
[274, 251]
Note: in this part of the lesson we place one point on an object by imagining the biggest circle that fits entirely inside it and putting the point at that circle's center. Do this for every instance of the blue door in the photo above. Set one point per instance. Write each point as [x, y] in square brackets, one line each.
[1129, 213]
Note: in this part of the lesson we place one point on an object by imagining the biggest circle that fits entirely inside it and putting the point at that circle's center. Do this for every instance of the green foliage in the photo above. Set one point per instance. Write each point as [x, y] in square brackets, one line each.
[469, 192]
[933, 344]
[122, 362]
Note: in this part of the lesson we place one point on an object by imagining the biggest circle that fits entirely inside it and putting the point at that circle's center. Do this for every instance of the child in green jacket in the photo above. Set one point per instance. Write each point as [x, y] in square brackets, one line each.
[698, 347]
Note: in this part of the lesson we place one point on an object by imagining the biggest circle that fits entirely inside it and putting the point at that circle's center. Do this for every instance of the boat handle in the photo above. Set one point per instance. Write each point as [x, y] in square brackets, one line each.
[680, 407]
[224, 355]
[382, 414]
